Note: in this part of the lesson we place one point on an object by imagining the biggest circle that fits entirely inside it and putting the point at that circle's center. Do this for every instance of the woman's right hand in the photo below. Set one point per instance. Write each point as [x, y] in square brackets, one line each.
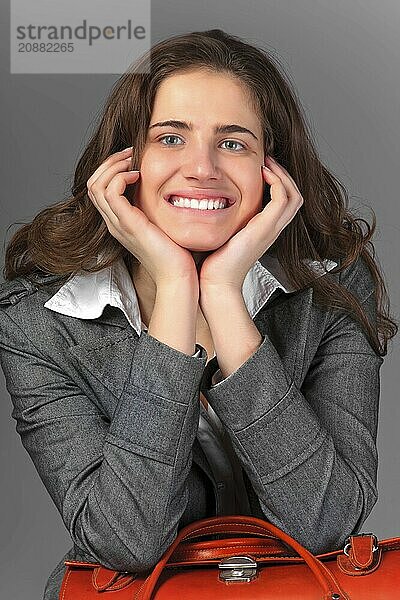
[163, 259]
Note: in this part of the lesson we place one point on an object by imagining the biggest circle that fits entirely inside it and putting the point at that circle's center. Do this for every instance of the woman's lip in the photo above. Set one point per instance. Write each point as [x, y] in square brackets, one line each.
[213, 211]
[202, 196]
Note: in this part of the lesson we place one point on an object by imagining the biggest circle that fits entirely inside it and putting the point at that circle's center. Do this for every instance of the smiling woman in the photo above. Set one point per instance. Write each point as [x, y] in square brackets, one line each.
[214, 259]
[195, 161]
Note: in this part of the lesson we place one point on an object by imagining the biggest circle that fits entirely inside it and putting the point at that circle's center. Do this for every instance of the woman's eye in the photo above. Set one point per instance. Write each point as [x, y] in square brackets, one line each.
[233, 142]
[170, 137]
[165, 137]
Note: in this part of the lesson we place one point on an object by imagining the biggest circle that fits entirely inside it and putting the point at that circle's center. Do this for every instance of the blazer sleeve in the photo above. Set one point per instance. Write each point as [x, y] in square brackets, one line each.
[310, 453]
[120, 486]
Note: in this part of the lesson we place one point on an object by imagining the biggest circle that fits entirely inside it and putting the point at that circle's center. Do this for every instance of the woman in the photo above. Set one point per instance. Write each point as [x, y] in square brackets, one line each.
[214, 259]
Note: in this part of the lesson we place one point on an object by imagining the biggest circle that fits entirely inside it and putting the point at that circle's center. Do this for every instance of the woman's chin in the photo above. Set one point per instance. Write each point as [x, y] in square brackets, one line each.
[200, 248]
[200, 245]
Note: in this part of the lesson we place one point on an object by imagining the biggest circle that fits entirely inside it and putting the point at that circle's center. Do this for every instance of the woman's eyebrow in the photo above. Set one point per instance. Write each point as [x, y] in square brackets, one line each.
[232, 128]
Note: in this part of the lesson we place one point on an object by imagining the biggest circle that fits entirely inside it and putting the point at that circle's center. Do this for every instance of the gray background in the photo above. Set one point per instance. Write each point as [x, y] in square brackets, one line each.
[343, 57]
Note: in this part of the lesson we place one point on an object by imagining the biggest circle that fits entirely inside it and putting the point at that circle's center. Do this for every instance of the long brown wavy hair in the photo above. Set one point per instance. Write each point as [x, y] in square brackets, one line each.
[69, 236]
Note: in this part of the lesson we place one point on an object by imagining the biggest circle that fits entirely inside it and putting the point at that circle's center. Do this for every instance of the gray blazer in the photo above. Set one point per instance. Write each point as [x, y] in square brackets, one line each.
[110, 419]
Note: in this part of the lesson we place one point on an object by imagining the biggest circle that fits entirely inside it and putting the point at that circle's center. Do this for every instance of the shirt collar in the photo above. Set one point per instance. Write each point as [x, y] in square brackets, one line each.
[85, 295]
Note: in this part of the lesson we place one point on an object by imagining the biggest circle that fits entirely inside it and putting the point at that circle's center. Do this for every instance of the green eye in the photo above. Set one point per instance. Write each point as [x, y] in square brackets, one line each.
[170, 136]
[233, 142]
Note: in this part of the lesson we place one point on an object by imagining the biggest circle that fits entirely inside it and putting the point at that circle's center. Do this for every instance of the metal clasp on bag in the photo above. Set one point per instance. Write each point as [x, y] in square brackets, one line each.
[237, 568]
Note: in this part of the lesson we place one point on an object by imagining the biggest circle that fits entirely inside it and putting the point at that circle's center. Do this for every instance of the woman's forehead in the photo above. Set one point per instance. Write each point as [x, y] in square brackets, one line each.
[205, 98]
[201, 82]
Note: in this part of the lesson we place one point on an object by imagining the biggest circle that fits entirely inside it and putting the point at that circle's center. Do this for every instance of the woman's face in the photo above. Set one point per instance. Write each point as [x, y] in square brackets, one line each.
[190, 158]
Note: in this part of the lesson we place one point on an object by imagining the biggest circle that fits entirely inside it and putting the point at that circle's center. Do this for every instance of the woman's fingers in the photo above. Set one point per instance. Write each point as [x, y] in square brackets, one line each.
[122, 155]
[105, 184]
[99, 190]
[115, 201]
[123, 159]
[285, 176]
[111, 176]
[101, 181]
[286, 198]
[117, 211]
[106, 188]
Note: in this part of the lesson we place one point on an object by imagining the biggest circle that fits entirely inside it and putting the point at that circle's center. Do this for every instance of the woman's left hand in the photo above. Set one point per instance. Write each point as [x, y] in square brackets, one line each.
[228, 266]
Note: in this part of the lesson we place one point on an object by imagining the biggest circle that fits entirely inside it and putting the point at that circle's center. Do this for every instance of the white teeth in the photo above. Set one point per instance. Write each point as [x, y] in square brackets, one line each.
[202, 204]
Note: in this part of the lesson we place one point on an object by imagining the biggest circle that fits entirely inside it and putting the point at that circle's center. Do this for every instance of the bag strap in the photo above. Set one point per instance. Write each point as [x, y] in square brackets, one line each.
[235, 524]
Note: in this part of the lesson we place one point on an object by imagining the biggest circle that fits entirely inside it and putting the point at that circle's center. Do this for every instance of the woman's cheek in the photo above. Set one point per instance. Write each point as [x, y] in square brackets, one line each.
[257, 194]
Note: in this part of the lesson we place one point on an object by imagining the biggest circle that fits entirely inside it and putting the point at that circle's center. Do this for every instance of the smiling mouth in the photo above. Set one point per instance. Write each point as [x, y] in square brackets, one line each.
[205, 205]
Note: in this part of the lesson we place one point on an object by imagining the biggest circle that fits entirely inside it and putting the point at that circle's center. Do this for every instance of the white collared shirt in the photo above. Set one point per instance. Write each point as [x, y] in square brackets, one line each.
[85, 295]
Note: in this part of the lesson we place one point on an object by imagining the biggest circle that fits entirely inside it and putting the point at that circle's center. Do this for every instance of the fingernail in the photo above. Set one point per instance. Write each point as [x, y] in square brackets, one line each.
[266, 168]
[125, 149]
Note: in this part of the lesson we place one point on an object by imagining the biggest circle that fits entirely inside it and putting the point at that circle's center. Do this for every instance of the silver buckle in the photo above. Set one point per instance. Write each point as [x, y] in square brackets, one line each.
[237, 568]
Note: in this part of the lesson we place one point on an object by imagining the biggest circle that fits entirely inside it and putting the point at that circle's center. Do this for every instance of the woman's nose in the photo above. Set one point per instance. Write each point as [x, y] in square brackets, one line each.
[201, 163]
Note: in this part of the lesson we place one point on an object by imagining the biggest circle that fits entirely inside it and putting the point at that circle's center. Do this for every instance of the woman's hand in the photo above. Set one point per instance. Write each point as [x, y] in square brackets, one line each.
[228, 265]
[163, 259]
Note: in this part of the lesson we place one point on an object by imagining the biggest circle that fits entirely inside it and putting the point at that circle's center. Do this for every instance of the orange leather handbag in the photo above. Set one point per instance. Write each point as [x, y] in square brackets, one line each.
[264, 563]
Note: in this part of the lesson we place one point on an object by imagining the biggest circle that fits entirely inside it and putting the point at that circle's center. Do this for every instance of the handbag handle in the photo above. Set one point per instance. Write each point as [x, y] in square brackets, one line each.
[243, 524]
